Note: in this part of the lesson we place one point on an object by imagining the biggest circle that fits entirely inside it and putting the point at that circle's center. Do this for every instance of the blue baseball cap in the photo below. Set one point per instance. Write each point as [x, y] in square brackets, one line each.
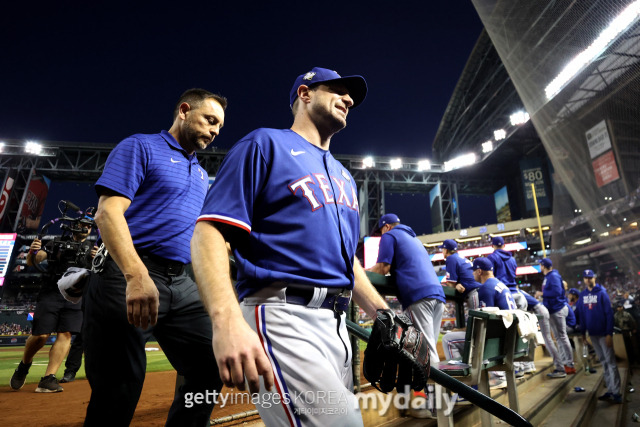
[546, 262]
[356, 85]
[450, 244]
[482, 264]
[389, 218]
[588, 273]
[574, 291]
[497, 241]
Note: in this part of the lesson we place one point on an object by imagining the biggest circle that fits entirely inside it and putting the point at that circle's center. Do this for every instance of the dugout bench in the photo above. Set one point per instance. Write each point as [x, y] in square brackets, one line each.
[489, 346]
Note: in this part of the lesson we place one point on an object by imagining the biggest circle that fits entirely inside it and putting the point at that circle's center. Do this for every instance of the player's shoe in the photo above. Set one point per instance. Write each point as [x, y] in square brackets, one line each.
[68, 377]
[519, 371]
[19, 376]
[49, 384]
[557, 373]
[529, 367]
[497, 382]
[616, 398]
[606, 396]
[569, 370]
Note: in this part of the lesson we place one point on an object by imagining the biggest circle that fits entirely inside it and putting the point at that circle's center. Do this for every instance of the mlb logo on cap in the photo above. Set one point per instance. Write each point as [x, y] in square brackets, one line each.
[588, 273]
[497, 241]
[483, 264]
[389, 218]
[450, 244]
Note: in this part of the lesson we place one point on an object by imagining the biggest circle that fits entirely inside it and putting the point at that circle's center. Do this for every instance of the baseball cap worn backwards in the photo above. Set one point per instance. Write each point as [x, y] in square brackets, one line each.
[498, 241]
[450, 244]
[389, 218]
[483, 264]
[546, 262]
[588, 273]
[356, 85]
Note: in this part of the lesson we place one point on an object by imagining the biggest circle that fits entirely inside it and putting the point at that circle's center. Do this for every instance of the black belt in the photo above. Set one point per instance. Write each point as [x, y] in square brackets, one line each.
[162, 265]
[302, 296]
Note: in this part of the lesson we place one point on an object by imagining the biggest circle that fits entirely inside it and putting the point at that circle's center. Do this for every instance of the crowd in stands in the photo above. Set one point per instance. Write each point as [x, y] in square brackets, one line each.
[14, 329]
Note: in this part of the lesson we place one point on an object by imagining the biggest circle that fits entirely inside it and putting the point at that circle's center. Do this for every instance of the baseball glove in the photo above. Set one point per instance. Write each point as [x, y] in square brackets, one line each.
[397, 354]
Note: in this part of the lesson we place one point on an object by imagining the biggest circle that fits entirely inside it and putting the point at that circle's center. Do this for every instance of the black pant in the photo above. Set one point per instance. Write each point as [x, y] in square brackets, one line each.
[74, 358]
[115, 359]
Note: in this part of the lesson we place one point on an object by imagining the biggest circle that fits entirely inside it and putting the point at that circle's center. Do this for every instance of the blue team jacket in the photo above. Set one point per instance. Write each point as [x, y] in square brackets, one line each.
[594, 312]
[553, 292]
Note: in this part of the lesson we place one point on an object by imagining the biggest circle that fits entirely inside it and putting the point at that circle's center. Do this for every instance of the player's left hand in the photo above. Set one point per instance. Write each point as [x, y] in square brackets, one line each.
[460, 288]
[395, 345]
[608, 340]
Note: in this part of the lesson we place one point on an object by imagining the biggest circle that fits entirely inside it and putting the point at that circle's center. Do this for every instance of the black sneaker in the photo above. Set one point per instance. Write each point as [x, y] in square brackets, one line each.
[48, 384]
[19, 376]
[68, 377]
[606, 396]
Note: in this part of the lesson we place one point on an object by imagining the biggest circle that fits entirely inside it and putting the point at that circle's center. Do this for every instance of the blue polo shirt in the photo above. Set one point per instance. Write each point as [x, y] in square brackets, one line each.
[166, 187]
[410, 266]
[460, 270]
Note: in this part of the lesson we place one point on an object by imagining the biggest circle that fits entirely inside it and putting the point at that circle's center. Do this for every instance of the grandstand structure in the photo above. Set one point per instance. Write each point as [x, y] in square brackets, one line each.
[516, 120]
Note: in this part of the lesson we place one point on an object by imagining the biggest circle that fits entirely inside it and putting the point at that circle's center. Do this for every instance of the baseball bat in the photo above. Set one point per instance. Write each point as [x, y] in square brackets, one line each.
[484, 402]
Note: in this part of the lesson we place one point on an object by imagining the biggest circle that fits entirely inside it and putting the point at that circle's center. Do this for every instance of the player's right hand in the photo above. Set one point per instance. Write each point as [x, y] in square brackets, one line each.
[36, 245]
[240, 356]
[142, 300]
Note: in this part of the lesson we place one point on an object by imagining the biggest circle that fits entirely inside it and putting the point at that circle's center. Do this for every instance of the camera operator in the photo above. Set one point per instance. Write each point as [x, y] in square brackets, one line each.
[53, 313]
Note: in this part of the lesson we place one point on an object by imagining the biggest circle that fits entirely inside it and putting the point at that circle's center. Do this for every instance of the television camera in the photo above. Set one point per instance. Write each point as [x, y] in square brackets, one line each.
[64, 251]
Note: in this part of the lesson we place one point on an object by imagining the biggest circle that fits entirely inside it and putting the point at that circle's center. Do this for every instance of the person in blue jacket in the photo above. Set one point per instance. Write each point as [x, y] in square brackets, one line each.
[554, 300]
[419, 290]
[504, 269]
[595, 315]
[460, 273]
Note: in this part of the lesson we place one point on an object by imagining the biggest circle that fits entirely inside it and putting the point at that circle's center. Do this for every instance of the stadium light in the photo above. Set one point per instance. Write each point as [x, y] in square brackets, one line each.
[487, 147]
[1, 147]
[33, 148]
[499, 134]
[368, 162]
[519, 118]
[460, 162]
[395, 163]
[621, 23]
[424, 165]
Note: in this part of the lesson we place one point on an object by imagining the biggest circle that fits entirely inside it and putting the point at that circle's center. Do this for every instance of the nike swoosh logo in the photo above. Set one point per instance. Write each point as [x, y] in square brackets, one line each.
[296, 153]
[175, 161]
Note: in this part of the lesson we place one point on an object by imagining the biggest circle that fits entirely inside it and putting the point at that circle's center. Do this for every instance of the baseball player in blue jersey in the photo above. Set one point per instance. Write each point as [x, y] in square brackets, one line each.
[554, 300]
[460, 273]
[419, 289]
[491, 293]
[504, 269]
[290, 213]
[151, 193]
[595, 316]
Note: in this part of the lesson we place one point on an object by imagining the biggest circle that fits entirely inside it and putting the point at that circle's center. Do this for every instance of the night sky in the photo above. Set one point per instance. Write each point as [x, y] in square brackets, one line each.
[75, 71]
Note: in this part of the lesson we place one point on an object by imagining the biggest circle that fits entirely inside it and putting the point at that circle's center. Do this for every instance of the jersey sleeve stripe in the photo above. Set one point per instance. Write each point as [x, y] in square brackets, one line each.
[227, 220]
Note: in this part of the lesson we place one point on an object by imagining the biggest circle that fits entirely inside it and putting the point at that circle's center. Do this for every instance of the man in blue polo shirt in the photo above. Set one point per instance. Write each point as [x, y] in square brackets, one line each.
[151, 192]
[555, 301]
[460, 273]
[419, 290]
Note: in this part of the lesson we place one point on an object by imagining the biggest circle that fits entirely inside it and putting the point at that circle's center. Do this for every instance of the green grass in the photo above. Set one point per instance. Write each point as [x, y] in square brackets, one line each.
[10, 357]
